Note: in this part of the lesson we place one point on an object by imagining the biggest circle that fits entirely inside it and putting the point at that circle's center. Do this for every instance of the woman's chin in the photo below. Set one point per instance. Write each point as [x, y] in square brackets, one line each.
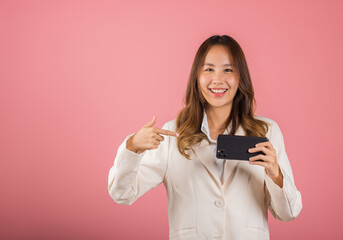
[219, 104]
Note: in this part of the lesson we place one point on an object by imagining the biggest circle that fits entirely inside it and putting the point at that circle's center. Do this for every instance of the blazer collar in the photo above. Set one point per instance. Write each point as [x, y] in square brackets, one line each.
[202, 151]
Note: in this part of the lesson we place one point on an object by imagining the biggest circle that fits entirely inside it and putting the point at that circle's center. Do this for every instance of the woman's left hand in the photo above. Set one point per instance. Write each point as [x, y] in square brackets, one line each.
[269, 161]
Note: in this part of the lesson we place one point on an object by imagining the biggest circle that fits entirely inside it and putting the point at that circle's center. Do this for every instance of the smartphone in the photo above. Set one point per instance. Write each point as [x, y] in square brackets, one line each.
[232, 147]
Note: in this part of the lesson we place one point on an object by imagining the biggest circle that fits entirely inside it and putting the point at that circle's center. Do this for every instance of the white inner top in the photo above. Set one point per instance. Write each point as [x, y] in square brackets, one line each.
[213, 144]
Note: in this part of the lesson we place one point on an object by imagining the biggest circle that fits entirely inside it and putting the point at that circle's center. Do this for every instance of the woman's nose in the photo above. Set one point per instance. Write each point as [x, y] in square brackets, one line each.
[218, 78]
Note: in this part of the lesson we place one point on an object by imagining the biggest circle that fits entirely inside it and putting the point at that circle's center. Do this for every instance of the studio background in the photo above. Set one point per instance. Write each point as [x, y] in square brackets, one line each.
[77, 77]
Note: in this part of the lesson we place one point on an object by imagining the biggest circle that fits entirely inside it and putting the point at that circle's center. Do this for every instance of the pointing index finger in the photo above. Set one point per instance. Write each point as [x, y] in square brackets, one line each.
[167, 132]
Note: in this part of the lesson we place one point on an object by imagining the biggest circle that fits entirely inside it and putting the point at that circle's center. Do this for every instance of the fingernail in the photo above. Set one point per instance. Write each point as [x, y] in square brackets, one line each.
[250, 150]
[177, 134]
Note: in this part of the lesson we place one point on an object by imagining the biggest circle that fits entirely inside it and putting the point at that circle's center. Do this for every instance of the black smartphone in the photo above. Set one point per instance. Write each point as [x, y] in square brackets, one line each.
[232, 147]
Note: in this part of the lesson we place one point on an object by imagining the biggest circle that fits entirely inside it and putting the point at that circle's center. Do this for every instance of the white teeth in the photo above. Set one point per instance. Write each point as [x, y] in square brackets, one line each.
[218, 91]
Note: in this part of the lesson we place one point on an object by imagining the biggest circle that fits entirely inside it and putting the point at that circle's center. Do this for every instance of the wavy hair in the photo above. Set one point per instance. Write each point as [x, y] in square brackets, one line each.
[189, 119]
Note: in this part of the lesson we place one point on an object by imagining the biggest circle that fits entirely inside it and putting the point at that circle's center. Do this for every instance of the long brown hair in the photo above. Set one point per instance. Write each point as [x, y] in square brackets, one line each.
[189, 119]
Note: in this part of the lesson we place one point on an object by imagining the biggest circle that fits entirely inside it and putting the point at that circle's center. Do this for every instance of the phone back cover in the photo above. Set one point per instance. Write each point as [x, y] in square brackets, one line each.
[233, 147]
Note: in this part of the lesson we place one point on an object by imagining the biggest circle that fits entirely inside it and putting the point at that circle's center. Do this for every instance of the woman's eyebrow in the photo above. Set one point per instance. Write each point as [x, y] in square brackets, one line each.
[225, 65]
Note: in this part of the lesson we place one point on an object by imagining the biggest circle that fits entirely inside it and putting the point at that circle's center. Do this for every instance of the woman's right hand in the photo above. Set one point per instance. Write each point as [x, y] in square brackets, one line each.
[148, 137]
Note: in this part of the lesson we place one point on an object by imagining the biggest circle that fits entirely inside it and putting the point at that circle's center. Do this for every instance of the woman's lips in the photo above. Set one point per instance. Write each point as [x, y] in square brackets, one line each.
[219, 94]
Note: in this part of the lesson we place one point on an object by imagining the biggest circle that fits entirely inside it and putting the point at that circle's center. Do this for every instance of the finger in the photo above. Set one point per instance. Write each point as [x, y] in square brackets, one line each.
[259, 157]
[260, 148]
[151, 123]
[166, 132]
[158, 137]
[267, 144]
[156, 143]
[153, 144]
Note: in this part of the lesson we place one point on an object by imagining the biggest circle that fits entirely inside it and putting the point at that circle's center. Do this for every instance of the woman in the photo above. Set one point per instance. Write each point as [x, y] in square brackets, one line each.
[210, 198]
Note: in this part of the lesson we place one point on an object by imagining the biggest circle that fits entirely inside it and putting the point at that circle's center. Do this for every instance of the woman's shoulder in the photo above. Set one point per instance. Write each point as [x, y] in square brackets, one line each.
[273, 129]
[265, 119]
[170, 125]
[271, 123]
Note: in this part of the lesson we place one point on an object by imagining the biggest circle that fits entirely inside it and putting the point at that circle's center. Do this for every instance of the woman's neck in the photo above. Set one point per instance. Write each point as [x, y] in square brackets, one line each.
[217, 117]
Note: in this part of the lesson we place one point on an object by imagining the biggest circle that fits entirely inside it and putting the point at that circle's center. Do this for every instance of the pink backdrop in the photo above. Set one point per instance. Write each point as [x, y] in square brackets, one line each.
[78, 76]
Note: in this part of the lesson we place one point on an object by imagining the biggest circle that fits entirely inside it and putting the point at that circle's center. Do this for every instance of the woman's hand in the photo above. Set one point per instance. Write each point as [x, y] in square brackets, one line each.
[269, 161]
[148, 137]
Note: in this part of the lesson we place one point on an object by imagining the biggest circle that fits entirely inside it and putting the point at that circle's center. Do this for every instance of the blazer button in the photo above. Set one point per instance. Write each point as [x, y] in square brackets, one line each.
[219, 203]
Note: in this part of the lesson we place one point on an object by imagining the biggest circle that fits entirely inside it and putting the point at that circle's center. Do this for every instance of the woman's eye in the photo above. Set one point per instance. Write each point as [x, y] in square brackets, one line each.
[210, 69]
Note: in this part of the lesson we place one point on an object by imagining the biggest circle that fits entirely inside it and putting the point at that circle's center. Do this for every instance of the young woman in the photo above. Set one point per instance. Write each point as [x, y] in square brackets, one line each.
[210, 198]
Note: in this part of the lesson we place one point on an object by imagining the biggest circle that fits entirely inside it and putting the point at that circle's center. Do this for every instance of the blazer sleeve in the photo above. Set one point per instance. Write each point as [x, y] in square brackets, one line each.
[133, 174]
[284, 203]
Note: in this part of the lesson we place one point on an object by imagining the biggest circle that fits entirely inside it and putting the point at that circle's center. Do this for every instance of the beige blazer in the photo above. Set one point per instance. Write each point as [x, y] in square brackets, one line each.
[200, 205]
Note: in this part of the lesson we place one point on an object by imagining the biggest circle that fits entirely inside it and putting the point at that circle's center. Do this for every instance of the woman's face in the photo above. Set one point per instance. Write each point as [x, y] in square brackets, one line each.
[218, 73]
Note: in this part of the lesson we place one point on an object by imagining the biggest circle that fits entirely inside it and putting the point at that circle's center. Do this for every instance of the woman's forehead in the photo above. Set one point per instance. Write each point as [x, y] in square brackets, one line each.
[218, 54]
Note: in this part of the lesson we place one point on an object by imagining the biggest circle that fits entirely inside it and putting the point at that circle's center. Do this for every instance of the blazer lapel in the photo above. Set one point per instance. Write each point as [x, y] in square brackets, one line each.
[230, 166]
[203, 152]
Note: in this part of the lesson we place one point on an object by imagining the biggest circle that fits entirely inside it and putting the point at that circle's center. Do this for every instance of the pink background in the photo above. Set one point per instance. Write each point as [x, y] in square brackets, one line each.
[77, 77]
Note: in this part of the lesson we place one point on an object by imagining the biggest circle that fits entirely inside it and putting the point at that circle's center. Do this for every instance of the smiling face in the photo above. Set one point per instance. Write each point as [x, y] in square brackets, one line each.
[218, 79]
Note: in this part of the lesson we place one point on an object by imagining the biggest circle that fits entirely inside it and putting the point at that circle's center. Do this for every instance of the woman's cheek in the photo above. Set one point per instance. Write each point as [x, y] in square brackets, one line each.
[204, 82]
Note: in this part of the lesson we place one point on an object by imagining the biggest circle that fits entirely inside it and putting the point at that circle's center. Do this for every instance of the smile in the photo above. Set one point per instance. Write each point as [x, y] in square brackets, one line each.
[218, 92]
